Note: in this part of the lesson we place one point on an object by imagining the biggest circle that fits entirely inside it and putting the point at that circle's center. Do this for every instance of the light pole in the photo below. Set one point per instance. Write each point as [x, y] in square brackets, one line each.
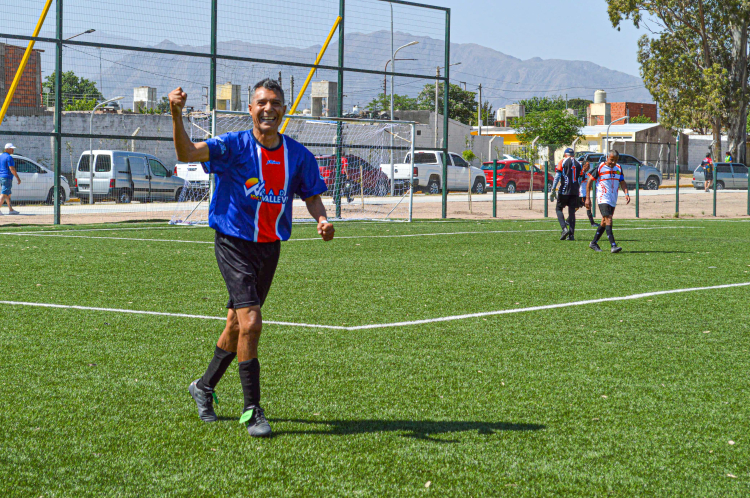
[393, 69]
[385, 76]
[437, 85]
[101, 89]
[91, 147]
[79, 34]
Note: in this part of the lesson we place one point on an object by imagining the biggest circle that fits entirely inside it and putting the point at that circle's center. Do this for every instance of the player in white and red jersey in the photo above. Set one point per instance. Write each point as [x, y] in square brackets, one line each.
[609, 178]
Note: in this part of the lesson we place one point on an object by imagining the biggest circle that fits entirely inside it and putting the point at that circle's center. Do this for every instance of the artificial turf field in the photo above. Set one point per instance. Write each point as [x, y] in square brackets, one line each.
[636, 397]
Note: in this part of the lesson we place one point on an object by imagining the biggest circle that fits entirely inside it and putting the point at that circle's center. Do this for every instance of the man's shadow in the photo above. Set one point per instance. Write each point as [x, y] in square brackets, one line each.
[417, 429]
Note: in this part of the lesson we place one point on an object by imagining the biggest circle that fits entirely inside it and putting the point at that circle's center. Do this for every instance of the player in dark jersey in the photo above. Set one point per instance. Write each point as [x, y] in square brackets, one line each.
[257, 174]
[568, 175]
[708, 171]
[586, 167]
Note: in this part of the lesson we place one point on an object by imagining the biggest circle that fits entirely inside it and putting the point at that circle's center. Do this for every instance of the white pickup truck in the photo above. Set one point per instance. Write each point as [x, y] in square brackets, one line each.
[193, 174]
[428, 172]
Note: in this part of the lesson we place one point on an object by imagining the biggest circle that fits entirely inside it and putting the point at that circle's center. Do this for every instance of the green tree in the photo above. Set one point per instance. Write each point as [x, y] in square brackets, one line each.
[695, 64]
[74, 89]
[640, 120]
[383, 103]
[552, 127]
[488, 114]
[558, 103]
[462, 104]
[468, 155]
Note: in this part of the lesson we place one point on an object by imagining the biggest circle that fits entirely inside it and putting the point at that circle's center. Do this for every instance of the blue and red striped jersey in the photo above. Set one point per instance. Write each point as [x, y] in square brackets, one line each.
[255, 186]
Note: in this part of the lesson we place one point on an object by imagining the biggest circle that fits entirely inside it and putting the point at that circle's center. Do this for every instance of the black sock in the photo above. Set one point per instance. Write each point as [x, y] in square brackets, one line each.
[572, 221]
[250, 380]
[610, 236]
[219, 364]
[560, 218]
[590, 215]
[599, 233]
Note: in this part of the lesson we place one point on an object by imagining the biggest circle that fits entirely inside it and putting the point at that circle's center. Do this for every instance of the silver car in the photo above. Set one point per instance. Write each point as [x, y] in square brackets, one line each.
[650, 177]
[37, 183]
[728, 175]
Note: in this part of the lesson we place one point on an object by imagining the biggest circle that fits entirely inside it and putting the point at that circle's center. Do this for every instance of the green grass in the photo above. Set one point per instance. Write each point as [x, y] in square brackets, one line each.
[630, 398]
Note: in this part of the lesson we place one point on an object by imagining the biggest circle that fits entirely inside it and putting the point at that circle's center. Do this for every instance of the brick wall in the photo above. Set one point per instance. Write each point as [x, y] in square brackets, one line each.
[620, 109]
[28, 96]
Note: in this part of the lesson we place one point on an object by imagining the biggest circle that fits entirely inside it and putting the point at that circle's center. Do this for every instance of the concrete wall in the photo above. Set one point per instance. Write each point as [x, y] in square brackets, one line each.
[699, 145]
[41, 149]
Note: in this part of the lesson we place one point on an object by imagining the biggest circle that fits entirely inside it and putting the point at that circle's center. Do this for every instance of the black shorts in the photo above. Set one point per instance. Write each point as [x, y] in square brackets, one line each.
[567, 200]
[581, 202]
[606, 210]
[247, 268]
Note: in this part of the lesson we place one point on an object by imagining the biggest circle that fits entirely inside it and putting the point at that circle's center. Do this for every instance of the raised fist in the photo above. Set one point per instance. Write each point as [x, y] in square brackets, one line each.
[177, 99]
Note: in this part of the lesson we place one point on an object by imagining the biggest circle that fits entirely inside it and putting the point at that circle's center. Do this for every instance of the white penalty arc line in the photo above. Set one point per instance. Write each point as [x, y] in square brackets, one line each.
[395, 324]
[52, 234]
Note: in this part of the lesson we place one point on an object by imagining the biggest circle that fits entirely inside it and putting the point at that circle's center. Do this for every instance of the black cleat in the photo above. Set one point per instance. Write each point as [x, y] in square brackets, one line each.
[595, 225]
[565, 233]
[616, 248]
[595, 247]
[571, 237]
[255, 421]
[205, 401]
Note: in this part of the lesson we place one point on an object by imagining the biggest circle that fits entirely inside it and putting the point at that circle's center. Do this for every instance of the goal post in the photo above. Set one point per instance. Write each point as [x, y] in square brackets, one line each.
[353, 157]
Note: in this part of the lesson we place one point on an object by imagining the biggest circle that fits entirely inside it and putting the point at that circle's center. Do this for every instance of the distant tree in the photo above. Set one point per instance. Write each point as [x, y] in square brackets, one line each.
[641, 119]
[163, 106]
[75, 89]
[469, 155]
[462, 104]
[555, 103]
[555, 127]
[383, 103]
[488, 114]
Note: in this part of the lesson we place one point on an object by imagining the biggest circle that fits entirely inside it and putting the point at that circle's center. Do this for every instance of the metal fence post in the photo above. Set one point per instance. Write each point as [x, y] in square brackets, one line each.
[58, 107]
[714, 185]
[212, 88]
[546, 193]
[340, 113]
[412, 184]
[494, 189]
[677, 176]
[445, 110]
[637, 189]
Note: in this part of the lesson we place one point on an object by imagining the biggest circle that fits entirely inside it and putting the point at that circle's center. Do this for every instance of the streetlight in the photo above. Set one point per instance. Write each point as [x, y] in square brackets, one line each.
[385, 70]
[79, 34]
[91, 147]
[437, 84]
[393, 70]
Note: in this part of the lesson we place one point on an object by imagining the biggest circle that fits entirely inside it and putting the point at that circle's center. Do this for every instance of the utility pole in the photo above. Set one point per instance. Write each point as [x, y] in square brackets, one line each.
[437, 84]
[479, 112]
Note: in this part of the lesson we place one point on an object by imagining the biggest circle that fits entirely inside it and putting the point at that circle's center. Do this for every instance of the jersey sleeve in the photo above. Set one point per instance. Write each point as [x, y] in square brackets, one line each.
[221, 152]
[311, 182]
[622, 176]
[595, 173]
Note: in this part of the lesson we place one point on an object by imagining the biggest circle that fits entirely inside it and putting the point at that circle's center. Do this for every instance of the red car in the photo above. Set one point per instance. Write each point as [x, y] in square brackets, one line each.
[354, 171]
[513, 176]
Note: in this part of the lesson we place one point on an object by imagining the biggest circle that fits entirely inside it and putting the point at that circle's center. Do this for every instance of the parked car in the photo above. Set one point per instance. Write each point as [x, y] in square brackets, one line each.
[428, 172]
[356, 173]
[728, 175]
[513, 176]
[650, 177]
[125, 176]
[37, 183]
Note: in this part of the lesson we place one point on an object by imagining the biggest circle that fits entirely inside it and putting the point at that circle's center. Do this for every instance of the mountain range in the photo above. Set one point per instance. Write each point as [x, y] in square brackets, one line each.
[505, 79]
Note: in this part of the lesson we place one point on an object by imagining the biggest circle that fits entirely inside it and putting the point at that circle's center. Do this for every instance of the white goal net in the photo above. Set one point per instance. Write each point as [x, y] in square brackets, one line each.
[366, 187]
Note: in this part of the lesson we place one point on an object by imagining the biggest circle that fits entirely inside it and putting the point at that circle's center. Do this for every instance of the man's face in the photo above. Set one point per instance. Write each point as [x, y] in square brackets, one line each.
[613, 158]
[267, 110]
[9, 151]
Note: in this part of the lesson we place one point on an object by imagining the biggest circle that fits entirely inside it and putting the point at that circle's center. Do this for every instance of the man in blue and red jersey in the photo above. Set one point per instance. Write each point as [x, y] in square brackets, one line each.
[609, 178]
[257, 173]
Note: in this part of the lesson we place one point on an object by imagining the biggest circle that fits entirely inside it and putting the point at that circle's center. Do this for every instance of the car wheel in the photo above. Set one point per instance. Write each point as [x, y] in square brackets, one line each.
[433, 186]
[178, 194]
[652, 183]
[719, 185]
[511, 188]
[123, 196]
[478, 186]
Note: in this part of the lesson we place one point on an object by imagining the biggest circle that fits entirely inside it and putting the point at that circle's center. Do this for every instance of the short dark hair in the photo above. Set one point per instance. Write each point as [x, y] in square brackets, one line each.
[616, 153]
[268, 84]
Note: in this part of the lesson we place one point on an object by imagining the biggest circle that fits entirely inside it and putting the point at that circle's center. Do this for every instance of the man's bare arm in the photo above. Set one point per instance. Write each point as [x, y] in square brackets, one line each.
[318, 212]
[15, 173]
[624, 187]
[587, 202]
[187, 151]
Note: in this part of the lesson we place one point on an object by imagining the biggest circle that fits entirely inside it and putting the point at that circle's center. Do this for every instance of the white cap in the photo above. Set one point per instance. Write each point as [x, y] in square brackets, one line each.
[10, 146]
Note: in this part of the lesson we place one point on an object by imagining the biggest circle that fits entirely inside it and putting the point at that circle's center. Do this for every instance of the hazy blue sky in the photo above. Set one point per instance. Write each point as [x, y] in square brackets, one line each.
[550, 29]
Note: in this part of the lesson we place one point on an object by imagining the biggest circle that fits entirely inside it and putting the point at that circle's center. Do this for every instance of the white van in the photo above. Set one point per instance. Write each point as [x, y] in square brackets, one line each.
[125, 176]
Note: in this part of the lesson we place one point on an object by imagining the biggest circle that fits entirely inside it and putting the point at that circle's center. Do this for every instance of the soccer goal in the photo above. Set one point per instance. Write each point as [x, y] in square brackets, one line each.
[354, 159]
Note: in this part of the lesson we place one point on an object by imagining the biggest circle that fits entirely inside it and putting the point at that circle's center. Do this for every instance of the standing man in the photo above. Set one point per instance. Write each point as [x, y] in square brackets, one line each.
[608, 177]
[568, 174]
[257, 172]
[7, 172]
[708, 171]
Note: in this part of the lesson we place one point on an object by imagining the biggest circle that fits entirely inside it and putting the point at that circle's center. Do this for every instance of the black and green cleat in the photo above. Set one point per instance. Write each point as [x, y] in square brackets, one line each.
[205, 401]
[255, 421]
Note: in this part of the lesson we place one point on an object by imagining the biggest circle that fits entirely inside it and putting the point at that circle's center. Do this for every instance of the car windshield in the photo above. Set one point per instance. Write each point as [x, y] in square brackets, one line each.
[425, 158]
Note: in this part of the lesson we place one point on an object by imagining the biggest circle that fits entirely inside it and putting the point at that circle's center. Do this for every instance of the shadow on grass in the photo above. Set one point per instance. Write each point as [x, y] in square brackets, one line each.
[625, 251]
[412, 428]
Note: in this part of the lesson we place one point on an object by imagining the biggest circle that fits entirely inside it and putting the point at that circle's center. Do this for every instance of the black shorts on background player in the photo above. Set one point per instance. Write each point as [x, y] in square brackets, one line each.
[247, 267]
[606, 209]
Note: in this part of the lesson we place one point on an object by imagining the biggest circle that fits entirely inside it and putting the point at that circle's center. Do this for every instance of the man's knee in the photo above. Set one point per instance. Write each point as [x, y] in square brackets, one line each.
[251, 326]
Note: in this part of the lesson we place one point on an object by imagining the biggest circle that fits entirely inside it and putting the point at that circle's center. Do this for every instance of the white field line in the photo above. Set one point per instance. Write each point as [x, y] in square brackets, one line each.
[51, 234]
[397, 324]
